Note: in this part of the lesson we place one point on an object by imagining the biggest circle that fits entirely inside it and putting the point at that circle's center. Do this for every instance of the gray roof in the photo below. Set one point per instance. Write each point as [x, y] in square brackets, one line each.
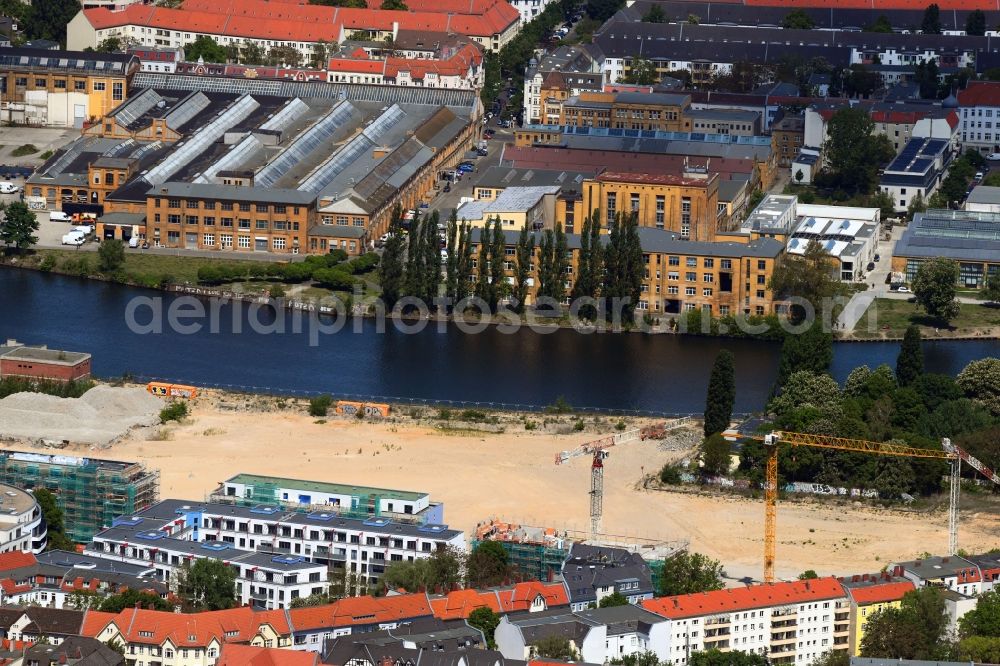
[984, 194]
[337, 231]
[724, 114]
[123, 219]
[511, 199]
[233, 193]
[660, 99]
[730, 189]
[959, 235]
[937, 567]
[502, 177]
[73, 650]
[730, 150]
[40, 354]
[169, 509]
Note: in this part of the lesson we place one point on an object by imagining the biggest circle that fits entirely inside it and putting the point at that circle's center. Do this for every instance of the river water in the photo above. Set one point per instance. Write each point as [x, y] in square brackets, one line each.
[649, 373]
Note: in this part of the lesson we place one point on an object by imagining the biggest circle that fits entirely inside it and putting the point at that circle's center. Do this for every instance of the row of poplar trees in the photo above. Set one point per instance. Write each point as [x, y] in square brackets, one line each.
[411, 266]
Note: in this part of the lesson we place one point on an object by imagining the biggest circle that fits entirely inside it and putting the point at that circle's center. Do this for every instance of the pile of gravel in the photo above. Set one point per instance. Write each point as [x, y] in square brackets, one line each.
[99, 417]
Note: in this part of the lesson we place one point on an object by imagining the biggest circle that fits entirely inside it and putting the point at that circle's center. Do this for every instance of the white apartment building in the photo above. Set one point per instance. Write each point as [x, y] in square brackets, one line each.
[21, 524]
[791, 623]
[529, 9]
[979, 116]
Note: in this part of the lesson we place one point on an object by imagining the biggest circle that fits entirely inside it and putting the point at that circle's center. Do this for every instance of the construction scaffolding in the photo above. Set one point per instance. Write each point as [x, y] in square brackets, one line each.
[539, 552]
[91, 492]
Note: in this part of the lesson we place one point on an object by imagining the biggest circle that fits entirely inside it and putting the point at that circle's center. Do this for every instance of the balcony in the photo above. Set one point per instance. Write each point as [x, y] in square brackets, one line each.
[782, 624]
[783, 637]
[712, 633]
[718, 644]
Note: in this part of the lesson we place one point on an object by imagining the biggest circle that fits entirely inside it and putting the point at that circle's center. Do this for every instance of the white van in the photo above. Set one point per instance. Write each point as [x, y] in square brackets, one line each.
[74, 238]
[59, 216]
[7, 187]
[82, 229]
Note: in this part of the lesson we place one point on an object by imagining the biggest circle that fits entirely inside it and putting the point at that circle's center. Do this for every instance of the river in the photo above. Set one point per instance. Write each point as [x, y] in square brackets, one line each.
[649, 373]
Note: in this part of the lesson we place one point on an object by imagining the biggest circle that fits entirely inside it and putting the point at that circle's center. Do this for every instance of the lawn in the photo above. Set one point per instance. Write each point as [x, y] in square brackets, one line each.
[894, 316]
[142, 268]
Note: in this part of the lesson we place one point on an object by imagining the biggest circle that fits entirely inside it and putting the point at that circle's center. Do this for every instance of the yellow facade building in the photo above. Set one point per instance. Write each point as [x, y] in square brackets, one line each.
[868, 595]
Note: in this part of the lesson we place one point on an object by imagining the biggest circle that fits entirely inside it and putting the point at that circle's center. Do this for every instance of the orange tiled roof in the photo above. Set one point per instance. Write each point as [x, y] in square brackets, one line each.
[522, 595]
[745, 598]
[876, 4]
[248, 655]
[185, 630]
[356, 65]
[880, 593]
[980, 93]
[16, 559]
[361, 610]
[459, 604]
[94, 622]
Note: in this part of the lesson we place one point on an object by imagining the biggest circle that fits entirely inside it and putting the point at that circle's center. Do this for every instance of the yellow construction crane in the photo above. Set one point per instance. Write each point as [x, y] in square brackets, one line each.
[949, 452]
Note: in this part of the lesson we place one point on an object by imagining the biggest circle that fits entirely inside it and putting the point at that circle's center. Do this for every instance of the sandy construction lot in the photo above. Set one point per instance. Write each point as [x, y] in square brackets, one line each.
[513, 476]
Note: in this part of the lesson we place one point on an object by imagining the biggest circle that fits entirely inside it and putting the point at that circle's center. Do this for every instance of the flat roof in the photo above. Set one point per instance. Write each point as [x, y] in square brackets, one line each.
[956, 234]
[323, 486]
[512, 199]
[45, 355]
[984, 194]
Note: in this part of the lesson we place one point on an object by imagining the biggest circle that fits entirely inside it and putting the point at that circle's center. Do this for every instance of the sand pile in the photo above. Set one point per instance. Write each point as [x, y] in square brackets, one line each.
[102, 415]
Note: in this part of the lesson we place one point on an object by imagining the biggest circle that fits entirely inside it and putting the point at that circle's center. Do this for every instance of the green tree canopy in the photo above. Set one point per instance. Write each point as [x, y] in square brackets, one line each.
[116, 603]
[110, 256]
[721, 394]
[797, 19]
[686, 573]
[48, 20]
[208, 584]
[613, 599]
[206, 48]
[715, 454]
[980, 381]
[910, 362]
[931, 23]
[486, 621]
[19, 226]
[641, 72]
[975, 23]
[554, 647]
[854, 152]
[488, 565]
[715, 657]
[984, 619]
[53, 516]
[880, 24]
[810, 277]
[934, 287]
[811, 351]
[912, 631]
[655, 15]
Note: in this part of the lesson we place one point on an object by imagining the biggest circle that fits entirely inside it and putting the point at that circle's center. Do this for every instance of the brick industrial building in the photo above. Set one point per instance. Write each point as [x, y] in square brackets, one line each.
[19, 360]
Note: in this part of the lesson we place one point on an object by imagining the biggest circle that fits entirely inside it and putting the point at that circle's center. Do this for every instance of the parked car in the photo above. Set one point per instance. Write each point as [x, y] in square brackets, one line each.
[903, 290]
[133, 242]
[466, 169]
[979, 175]
[877, 257]
[871, 266]
[993, 156]
[7, 187]
[74, 238]
[447, 187]
[83, 229]
[59, 216]
[482, 152]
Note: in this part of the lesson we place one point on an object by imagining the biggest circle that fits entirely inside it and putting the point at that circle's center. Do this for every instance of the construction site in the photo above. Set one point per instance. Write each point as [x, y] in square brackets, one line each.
[539, 552]
[91, 492]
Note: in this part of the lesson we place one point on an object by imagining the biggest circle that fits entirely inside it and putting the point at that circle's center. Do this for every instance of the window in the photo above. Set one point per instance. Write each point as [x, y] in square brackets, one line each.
[244, 207]
[278, 243]
[244, 242]
[80, 85]
[660, 208]
[706, 292]
[672, 289]
[761, 279]
[191, 219]
[690, 291]
[726, 264]
[761, 265]
[709, 263]
[190, 203]
[261, 225]
[174, 203]
[691, 262]
[208, 221]
[227, 205]
[244, 223]
[685, 217]
[261, 208]
[673, 275]
[226, 240]
[209, 205]
[634, 203]
[708, 277]
[359, 221]
[174, 219]
[691, 277]
[227, 221]
[208, 239]
[117, 91]
[612, 204]
[60, 84]
[99, 86]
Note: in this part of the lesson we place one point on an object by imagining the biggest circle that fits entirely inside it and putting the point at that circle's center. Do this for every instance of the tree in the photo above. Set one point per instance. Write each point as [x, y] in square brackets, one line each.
[917, 205]
[641, 72]
[390, 269]
[980, 381]
[53, 516]
[811, 351]
[721, 394]
[525, 255]
[110, 256]
[912, 631]
[833, 658]
[623, 266]
[931, 23]
[251, 53]
[19, 226]
[984, 619]
[858, 80]
[808, 574]
[798, 20]
[686, 573]
[398, 5]
[853, 151]
[926, 75]
[715, 455]
[980, 649]
[488, 565]
[110, 45]
[991, 289]
[880, 24]
[602, 10]
[486, 621]
[644, 658]
[48, 20]
[716, 657]
[498, 280]
[207, 584]
[934, 288]
[910, 362]
[655, 15]
[975, 23]
[415, 576]
[810, 277]
[130, 598]
[554, 647]
[205, 48]
[613, 599]
[284, 55]
[799, 176]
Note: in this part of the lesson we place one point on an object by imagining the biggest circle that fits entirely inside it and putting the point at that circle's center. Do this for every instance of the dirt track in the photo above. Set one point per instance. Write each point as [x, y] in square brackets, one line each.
[478, 475]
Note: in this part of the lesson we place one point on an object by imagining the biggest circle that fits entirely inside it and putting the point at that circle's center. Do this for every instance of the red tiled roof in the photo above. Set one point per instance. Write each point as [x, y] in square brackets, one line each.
[522, 595]
[459, 604]
[94, 622]
[248, 655]
[356, 66]
[879, 593]
[199, 629]
[745, 598]
[361, 610]
[15, 560]
[980, 93]
[651, 178]
[537, 157]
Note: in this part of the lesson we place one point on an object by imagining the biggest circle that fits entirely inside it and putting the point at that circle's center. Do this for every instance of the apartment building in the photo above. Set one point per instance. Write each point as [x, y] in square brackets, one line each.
[313, 626]
[62, 88]
[598, 635]
[917, 171]
[592, 573]
[527, 597]
[719, 278]
[363, 547]
[548, 82]
[664, 112]
[791, 623]
[462, 69]
[342, 499]
[489, 23]
[517, 208]
[787, 137]
[685, 204]
[868, 595]
[734, 122]
[979, 113]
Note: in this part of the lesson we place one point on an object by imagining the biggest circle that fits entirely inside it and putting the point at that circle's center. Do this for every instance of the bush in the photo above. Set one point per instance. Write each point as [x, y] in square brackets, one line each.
[297, 272]
[335, 279]
[363, 264]
[173, 412]
[473, 415]
[578, 426]
[320, 405]
[444, 414]
[26, 149]
[277, 291]
[48, 263]
[560, 406]
[670, 475]
[46, 155]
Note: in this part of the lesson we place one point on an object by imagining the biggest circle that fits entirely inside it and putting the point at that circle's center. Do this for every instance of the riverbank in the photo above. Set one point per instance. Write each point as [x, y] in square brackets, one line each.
[888, 319]
[478, 473]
